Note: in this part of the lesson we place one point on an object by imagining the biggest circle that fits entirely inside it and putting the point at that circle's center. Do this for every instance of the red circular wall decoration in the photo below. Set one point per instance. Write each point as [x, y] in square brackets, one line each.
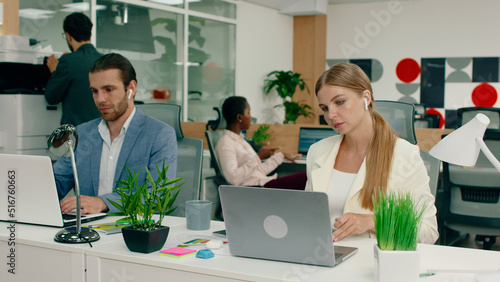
[407, 70]
[432, 111]
[484, 95]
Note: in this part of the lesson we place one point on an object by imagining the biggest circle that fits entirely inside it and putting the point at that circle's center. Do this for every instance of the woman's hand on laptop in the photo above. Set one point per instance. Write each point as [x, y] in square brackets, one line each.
[88, 204]
[351, 224]
[291, 157]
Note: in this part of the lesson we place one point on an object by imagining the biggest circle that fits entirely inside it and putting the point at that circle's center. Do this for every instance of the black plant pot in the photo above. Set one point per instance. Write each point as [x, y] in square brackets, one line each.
[145, 241]
[255, 147]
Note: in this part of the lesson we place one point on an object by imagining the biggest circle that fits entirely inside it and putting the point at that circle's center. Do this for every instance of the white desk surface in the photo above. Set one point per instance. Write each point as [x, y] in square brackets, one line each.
[42, 236]
[109, 258]
[297, 161]
[357, 268]
[40, 258]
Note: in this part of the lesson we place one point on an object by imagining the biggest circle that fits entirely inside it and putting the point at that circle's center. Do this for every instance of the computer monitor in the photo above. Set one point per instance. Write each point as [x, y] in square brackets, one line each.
[134, 35]
[311, 135]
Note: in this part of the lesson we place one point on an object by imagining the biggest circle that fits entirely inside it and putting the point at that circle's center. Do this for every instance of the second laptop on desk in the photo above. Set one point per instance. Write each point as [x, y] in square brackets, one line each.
[280, 224]
[311, 135]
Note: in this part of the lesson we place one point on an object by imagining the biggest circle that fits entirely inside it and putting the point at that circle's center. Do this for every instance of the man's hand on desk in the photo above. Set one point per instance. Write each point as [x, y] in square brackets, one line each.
[292, 157]
[88, 204]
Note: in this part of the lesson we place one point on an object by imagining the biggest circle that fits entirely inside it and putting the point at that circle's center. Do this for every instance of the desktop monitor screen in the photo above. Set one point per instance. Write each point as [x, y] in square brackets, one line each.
[311, 135]
[133, 35]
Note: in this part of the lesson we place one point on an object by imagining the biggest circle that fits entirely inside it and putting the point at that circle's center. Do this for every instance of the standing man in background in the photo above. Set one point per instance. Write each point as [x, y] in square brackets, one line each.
[69, 82]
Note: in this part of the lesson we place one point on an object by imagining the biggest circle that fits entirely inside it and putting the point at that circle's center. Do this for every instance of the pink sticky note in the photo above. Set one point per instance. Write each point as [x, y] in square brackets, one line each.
[177, 251]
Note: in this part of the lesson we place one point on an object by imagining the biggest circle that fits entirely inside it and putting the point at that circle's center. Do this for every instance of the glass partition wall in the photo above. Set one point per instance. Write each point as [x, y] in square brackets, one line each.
[183, 50]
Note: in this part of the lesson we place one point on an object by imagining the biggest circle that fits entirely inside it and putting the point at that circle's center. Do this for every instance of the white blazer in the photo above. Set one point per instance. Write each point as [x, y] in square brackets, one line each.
[408, 173]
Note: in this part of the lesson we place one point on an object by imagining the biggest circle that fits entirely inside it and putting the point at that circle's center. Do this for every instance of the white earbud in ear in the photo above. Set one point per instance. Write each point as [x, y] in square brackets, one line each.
[366, 104]
[130, 94]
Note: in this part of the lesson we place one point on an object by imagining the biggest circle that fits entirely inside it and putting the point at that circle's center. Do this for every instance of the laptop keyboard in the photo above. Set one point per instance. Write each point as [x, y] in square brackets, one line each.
[67, 216]
[337, 255]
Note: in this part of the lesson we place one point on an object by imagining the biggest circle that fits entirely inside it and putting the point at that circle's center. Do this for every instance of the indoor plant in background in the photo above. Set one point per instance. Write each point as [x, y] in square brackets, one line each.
[286, 83]
[139, 202]
[397, 221]
[260, 137]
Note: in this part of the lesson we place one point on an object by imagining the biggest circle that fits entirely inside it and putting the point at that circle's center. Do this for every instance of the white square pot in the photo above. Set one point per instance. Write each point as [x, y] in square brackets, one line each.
[396, 266]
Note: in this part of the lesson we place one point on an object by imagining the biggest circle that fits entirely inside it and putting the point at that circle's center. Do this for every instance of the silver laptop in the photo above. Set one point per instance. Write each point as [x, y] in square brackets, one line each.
[311, 135]
[29, 193]
[280, 224]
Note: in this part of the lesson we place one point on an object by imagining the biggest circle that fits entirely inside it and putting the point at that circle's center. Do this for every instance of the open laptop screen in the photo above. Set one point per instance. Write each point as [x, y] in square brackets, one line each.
[311, 135]
[30, 193]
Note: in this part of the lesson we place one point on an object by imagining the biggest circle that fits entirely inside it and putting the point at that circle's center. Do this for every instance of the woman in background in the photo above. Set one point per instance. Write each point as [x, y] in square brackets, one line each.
[365, 159]
[240, 164]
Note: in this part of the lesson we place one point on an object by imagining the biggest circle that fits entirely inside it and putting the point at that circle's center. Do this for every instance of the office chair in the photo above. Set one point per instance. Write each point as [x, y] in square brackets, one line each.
[470, 197]
[189, 167]
[213, 137]
[219, 123]
[423, 119]
[189, 153]
[427, 121]
[420, 110]
[168, 113]
[464, 115]
[424, 122]
[401, 116]
[433, 166]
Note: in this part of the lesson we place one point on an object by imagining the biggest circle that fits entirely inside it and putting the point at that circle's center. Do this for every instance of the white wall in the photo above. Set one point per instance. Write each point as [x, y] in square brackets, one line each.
[264, 42]
[414, 29]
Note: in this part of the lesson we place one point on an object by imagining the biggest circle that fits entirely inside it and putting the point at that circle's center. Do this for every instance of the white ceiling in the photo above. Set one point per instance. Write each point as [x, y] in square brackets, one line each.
[280, 4]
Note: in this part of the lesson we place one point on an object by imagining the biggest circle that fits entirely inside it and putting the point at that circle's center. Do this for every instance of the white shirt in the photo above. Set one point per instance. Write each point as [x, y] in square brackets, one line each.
[338, 188]
[109, 155]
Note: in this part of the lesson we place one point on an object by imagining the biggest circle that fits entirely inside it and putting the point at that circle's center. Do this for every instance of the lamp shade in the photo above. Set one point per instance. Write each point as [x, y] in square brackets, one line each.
[461, 147]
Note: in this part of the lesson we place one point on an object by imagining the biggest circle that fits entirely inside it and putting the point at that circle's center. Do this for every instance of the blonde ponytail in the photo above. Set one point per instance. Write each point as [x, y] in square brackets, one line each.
[378, 161]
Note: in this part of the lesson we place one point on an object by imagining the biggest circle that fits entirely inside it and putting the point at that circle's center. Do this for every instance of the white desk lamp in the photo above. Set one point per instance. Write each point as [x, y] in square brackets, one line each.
[62, 142]
[461, 147]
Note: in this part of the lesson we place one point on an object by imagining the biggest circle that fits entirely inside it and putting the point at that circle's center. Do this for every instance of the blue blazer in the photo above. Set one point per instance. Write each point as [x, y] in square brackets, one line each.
[147, 142]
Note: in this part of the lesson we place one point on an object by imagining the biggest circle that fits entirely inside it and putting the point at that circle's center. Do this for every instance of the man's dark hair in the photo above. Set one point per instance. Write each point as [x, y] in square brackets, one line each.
[232, 107]
[115, 61]
[78, 26]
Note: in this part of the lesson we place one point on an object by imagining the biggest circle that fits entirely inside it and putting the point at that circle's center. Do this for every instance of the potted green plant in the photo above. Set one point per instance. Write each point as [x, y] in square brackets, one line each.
[286, 83]
[139, 202]
[397, 221]
[260, 137]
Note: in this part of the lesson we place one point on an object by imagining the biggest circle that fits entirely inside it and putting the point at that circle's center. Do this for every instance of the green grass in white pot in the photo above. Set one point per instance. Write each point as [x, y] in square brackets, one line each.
[397, 221]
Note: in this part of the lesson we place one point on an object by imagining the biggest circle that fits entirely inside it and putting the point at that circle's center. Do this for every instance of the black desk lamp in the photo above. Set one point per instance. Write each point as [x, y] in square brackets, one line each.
[62, 143]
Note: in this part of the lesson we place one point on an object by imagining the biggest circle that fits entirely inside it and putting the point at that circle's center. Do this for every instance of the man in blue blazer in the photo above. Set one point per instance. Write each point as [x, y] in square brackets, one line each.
[123, 136]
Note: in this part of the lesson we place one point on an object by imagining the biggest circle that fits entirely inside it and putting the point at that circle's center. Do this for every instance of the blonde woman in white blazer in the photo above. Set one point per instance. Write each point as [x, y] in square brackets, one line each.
[366, 158]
